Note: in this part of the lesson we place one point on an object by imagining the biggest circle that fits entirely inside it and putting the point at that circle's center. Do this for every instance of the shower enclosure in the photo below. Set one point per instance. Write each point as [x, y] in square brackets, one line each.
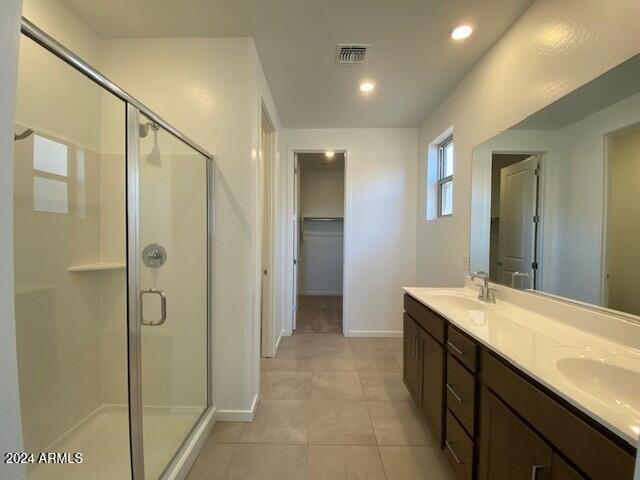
[113, 231]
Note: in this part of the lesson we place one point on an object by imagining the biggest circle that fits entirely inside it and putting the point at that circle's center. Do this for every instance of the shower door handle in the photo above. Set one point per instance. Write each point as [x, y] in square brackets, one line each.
[163, 307]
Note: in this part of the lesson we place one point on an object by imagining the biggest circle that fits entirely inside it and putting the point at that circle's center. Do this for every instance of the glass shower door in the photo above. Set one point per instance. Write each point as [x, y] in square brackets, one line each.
[172, 270]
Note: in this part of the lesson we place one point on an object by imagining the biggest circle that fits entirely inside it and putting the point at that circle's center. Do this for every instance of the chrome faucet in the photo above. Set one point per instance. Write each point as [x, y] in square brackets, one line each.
[485, 294]
[516, 275]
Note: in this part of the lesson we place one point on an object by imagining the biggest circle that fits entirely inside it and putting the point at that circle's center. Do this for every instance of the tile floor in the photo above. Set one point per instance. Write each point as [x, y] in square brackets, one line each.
[330, 408]
[319, 314]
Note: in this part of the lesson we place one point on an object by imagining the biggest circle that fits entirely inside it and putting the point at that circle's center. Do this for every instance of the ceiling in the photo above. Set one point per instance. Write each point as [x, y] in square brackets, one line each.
[318, 162]
[412, 60]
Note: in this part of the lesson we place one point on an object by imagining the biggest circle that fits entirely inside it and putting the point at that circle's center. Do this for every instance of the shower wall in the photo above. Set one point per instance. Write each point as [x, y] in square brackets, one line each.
[69, 212]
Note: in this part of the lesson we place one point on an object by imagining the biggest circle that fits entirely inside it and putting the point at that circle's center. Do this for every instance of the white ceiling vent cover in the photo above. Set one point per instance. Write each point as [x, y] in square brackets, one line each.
[351, 54]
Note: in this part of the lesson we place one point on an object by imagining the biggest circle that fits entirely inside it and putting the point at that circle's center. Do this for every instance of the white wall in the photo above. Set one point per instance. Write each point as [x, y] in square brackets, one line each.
[321, 192]
[321, 257]
[10, 428]
[379, 255]
[554, 47]
[321, 246]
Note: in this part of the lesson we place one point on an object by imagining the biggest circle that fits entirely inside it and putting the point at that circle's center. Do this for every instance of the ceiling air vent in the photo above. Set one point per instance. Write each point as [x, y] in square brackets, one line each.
[351, 54]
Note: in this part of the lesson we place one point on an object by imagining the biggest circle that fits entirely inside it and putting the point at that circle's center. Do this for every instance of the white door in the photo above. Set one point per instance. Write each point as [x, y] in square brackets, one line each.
[518, 201]
[296, 235]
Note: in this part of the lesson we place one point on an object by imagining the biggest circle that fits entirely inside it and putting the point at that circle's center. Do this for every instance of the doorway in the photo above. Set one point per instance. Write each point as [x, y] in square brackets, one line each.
[515, 219]
[319, 242]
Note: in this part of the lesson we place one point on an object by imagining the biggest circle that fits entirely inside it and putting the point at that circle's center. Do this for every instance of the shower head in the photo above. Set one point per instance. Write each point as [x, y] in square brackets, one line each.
[144, 128]
[23, 135]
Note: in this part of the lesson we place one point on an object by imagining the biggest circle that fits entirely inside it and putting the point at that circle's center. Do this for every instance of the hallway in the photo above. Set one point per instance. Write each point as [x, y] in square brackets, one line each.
[331, 408]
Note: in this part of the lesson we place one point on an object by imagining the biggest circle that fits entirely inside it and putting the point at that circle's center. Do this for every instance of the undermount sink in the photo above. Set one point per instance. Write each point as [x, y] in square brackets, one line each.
[616, 385]
[458, 299]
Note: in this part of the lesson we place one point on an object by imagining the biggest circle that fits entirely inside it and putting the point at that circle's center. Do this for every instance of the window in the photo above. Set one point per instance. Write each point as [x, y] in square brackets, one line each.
[445, 178]
[49, 156]
[50, 179]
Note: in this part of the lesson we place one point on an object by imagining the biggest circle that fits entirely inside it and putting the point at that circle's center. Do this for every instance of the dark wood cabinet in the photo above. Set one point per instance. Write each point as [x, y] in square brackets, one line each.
[412, 368]
[561, 470]
[494, 421]
[509, 450]
[598, 455]
[423, 372]
[431, 355]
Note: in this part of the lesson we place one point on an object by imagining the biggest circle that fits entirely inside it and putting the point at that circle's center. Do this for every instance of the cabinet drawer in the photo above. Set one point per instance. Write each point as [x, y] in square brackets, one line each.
[595, 454]
[463, 348]
[461, 394]
[428, 320]
[458, 448]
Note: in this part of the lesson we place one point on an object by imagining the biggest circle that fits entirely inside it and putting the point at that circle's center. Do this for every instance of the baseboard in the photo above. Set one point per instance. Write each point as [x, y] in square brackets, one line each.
[320, 294]
[238, 415]
[374, 333]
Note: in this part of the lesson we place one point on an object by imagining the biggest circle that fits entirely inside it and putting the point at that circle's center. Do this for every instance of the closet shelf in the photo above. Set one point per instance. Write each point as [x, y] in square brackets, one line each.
[98, 266]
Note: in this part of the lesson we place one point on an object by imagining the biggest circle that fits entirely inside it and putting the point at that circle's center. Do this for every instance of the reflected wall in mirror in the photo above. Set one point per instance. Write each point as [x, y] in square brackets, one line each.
[556, 198]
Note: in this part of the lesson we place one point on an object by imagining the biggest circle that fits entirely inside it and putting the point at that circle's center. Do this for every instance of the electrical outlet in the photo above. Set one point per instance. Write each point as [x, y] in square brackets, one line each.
[465, 263]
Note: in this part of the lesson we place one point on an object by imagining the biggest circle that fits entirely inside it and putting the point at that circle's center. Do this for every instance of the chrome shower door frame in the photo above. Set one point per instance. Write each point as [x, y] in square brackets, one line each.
[135, 307]
[133, 110]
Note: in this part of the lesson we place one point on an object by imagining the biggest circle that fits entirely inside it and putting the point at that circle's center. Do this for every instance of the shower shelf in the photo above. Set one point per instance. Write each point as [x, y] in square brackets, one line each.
[92, 267]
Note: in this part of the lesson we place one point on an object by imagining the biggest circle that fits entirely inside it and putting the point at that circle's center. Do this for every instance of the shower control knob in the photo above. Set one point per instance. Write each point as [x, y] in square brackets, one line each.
[154, 255]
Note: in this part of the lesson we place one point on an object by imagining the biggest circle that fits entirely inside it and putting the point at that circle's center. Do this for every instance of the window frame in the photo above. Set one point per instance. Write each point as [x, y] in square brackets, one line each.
[441, 179]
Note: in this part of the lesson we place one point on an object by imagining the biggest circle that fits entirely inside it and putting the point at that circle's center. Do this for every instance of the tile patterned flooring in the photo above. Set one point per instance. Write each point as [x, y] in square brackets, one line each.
[330, 408]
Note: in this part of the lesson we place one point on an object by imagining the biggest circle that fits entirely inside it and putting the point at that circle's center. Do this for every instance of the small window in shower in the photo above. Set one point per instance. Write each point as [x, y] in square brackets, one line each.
[50, 195]
[50, 156]
[50, 159]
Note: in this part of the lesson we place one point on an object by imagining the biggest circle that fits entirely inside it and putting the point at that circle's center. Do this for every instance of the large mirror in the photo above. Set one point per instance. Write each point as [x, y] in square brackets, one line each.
[556, 198]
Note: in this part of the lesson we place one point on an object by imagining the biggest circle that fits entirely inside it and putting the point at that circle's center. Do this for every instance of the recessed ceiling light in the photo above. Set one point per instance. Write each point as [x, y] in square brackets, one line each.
[329, 154]
[461, 32]
[367, 87]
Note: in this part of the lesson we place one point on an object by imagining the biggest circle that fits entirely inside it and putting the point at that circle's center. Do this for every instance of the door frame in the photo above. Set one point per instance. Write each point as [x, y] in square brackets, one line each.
[266, 313]
[188, 449]
[606, 193]
[539, 235]
[296, 240]
[346, 208]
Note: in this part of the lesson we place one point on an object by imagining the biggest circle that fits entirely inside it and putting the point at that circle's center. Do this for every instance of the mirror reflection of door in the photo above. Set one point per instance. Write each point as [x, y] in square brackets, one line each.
[623, 222]
[514, 217]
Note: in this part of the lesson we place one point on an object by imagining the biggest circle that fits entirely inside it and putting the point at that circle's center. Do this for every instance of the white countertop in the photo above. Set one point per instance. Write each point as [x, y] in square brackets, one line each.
[593, 371]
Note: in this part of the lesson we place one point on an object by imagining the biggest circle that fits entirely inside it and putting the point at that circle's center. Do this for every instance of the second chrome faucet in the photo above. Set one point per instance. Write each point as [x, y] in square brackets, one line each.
[486, 294]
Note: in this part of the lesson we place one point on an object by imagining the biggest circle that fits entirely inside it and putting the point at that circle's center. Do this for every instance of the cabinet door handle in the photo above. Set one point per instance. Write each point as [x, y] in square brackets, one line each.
[415, 349]
[454, 347]
[454, 393]
[453, 453]
[535, 469]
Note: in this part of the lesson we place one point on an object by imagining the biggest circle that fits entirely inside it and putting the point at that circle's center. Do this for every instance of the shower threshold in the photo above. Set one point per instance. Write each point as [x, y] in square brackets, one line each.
[103, 439]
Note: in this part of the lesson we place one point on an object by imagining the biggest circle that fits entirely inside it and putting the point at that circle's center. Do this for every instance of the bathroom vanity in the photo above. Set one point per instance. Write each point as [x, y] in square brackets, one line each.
[539, 378]
[520, 389]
